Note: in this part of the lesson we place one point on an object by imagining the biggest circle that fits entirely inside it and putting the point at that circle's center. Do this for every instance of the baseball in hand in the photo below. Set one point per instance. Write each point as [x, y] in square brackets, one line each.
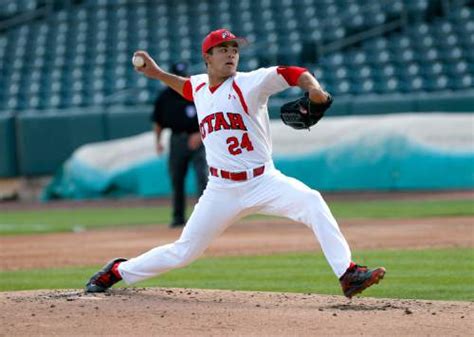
[138, 61]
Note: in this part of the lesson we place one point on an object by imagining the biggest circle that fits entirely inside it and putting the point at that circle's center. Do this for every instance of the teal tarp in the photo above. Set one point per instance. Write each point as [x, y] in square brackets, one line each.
[388, 164]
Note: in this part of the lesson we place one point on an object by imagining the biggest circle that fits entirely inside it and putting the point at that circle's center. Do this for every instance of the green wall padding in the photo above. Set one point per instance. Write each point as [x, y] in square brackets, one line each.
[8, 162]
[127, 121]
[46, 141]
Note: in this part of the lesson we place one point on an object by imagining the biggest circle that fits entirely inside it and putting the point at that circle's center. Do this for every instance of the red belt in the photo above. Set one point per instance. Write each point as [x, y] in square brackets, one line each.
[236, 176]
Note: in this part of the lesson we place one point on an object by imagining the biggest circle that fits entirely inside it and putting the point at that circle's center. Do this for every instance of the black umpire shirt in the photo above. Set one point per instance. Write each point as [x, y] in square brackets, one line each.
[172, 111]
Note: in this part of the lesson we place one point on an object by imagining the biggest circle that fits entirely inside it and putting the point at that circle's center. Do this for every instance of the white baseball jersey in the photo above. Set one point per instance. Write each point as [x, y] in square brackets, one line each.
[233, 118]
[235, 129]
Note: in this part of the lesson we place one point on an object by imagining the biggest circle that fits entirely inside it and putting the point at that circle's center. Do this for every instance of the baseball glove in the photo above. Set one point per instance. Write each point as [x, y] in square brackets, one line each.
[303, 113]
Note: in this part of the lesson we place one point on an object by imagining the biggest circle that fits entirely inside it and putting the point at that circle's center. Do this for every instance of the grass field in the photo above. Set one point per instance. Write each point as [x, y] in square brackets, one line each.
[66, 220]
[441, 274]
[434, 274]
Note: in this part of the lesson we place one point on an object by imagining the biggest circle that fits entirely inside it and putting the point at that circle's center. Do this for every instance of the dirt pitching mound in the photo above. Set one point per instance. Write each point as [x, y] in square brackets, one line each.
[189, 312]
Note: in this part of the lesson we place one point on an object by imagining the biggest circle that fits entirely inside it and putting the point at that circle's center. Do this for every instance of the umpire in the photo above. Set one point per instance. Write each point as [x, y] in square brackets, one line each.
[174, 112]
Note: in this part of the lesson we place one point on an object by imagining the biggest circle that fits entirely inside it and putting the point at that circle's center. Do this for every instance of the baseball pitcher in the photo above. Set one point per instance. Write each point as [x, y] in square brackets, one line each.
[235, 129]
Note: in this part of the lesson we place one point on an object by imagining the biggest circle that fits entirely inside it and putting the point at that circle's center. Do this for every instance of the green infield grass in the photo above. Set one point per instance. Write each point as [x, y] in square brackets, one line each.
[435, 274]
[76, 219]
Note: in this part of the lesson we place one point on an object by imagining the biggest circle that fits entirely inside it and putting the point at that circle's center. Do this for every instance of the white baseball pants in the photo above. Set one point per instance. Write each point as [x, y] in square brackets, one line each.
[224, 202]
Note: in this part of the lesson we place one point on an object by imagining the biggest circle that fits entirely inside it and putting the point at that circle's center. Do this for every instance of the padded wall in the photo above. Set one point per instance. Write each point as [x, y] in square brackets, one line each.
[126, 121]
[8, 163]
[46, 140]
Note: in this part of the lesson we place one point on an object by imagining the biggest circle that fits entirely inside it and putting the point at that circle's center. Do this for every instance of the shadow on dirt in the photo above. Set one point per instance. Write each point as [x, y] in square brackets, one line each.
[364, 307]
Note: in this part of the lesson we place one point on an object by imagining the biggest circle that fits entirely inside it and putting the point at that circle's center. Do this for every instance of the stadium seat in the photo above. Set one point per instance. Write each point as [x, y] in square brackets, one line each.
[89, 45]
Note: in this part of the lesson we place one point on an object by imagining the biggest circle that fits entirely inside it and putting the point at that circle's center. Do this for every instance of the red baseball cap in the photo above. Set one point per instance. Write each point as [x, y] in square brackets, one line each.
[219, 36]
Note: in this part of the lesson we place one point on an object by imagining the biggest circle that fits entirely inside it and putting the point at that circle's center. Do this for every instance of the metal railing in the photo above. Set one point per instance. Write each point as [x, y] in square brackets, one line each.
[27, 16]
[378, 30]
[364, 35]
[120, 96]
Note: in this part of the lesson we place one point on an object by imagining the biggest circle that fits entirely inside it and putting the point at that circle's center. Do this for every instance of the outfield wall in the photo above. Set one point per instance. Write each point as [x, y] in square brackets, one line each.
[36, 143]
[380, 152]
[8, 156]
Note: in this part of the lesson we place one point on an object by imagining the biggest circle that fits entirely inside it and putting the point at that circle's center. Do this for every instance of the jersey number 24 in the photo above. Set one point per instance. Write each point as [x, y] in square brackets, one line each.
[235, 147]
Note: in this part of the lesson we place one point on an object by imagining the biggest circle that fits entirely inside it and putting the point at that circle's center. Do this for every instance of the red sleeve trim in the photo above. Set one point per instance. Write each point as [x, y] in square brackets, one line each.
[188, 91]
[291, 74]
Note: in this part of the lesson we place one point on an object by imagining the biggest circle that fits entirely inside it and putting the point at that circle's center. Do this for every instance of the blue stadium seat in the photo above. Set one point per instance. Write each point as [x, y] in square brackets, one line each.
[89, 45]
[344, 87]
[362, 73]
[417, 83]
[390, 85]
[463, 82]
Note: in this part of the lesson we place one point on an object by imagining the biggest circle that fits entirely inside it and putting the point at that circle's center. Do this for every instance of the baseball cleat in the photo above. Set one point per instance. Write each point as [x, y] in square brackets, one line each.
[358, 278]
[105, 278]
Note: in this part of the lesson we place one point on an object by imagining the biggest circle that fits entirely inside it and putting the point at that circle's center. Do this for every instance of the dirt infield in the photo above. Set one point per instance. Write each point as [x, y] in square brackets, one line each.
[191, 312]
[187, 312]
[248, 238]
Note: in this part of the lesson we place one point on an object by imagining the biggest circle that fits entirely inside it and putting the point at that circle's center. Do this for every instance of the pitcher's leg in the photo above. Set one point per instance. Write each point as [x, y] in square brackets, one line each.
[293, 199]
[214, 212]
